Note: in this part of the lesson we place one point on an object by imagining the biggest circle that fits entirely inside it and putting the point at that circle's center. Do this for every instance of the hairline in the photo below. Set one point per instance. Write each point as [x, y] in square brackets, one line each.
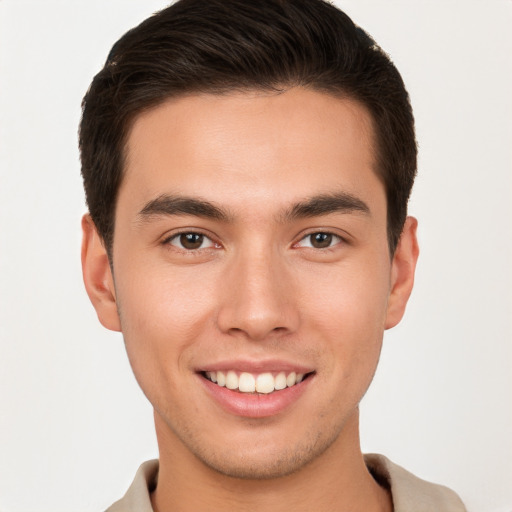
[341, 94]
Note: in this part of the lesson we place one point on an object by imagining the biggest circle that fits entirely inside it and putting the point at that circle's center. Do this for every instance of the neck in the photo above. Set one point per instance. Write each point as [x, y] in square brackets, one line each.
[337, 480]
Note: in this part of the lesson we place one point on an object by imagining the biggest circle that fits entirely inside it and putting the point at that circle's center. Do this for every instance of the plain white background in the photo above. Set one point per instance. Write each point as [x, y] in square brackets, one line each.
[74, 425]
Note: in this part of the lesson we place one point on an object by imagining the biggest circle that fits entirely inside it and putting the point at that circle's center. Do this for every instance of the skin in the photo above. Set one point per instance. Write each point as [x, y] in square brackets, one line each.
[257, 289]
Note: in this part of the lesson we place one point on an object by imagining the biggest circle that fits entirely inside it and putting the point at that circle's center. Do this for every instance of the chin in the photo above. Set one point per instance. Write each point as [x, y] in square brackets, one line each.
[263, 462]
[252, 468]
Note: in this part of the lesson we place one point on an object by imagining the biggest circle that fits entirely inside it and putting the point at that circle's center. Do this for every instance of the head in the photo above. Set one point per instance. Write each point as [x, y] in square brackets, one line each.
[223, 46]
[247, 167]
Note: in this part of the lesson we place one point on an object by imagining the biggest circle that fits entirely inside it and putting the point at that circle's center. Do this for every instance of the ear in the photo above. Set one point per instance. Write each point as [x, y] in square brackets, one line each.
[402, 273]
[97, 276]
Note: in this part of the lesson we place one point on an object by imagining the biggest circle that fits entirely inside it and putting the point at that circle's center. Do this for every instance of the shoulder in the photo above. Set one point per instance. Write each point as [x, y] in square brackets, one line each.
[137, 498]
[410, 492]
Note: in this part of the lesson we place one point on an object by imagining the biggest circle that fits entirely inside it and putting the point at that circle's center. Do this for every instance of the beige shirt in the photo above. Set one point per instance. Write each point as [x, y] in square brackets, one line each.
[410, 493]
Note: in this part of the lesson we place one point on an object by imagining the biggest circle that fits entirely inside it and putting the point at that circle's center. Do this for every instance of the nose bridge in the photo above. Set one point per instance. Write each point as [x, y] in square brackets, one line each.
[258, 298]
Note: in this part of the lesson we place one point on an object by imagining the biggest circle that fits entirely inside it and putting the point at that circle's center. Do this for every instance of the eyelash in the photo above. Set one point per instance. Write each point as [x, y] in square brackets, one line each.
[177, 236]
[333, 242]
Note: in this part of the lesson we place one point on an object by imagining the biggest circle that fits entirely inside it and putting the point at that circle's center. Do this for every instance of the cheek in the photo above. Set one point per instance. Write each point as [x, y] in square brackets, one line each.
[349, 298]
[350, 311]
[162, 314]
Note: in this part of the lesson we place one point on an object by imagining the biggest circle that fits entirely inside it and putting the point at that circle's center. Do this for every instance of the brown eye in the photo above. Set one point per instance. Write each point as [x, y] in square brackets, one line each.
[320, 240]
[191, 241]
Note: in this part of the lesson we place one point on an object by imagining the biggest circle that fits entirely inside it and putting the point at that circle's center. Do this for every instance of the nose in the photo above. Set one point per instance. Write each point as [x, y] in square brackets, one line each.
[259, 299]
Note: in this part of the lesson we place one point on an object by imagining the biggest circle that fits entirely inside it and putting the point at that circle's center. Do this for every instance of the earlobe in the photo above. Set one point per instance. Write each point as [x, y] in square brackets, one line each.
[97, 276]
[403, 267]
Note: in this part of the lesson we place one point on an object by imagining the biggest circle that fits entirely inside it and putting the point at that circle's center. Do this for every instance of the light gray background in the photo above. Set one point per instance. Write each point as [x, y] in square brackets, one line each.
[73, 424]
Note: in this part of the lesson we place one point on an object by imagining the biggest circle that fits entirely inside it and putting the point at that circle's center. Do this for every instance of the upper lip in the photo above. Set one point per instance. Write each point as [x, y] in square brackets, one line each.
[256, 366]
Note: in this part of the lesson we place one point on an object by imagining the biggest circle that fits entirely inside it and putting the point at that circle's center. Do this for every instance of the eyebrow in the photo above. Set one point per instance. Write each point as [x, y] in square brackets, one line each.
[182, 205]
[323, 204]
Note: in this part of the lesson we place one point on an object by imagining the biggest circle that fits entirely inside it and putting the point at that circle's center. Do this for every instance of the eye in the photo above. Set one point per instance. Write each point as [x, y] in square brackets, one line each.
[191, 241]
[320, 240]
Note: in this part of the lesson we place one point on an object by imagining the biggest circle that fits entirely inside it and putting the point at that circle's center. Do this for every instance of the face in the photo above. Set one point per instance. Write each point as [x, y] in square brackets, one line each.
[250, 249]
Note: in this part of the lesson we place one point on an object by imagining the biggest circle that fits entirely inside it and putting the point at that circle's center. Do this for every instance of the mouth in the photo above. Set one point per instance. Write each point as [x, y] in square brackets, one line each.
[265, 383]
[256, 389]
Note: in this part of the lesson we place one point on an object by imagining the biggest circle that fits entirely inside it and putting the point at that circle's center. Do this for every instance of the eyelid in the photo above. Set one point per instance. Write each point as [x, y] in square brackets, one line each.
[169, 237]
[340, 239]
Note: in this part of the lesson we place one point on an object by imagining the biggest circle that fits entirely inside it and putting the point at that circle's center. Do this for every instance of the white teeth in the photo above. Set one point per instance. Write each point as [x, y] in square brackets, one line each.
[247, 383]
[280, 381]
[291, 379]
[231, 380]
[264, 383]
[221, 378]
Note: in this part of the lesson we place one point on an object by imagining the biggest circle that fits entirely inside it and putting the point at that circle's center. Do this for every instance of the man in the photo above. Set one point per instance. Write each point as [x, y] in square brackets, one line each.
[247, 167]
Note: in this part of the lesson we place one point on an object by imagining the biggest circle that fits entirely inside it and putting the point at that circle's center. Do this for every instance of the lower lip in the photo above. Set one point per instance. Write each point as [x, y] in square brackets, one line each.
[255, 405]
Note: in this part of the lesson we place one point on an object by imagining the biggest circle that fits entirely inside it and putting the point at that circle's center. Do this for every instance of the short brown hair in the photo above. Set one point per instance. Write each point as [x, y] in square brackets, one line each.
[216, 46]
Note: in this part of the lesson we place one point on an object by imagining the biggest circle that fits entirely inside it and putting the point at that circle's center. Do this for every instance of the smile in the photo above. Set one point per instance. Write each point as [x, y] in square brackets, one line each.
[264, 383]
[256, 389]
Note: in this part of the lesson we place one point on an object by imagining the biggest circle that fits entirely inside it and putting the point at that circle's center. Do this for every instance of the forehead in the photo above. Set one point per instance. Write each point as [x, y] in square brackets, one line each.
[250, 144]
